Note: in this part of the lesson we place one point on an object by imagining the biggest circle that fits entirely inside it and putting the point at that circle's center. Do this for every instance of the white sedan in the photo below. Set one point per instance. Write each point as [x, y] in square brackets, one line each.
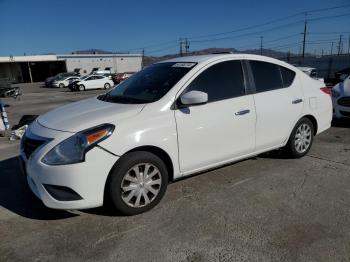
[64, 81]
[341, 99]
[171, 120]
[94, 82]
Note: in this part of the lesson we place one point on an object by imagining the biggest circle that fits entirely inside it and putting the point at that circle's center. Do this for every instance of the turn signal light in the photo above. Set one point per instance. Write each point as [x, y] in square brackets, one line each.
[94, 137]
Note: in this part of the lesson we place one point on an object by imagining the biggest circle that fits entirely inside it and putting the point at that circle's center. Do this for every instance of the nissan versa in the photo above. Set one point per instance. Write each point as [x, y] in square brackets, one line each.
[171, 120]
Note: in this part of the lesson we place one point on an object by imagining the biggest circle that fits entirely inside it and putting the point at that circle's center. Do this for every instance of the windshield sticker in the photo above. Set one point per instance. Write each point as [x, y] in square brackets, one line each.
[186, 65]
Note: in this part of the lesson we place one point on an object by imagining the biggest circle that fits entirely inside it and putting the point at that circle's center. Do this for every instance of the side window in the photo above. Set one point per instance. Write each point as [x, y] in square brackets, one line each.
[267, 76]
[89, 78]
[99, 77]
[221, 81]
[287, 76]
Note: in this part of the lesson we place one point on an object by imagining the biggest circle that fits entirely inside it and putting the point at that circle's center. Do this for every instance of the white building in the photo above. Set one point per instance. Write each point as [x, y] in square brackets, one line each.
[38, 67]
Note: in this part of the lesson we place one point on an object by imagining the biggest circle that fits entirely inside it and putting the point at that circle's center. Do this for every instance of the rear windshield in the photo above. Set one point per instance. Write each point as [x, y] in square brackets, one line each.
[148, 85]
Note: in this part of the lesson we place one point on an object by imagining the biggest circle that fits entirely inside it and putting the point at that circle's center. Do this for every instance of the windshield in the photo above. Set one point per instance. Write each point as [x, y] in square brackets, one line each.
[84, 77]
[148, 85]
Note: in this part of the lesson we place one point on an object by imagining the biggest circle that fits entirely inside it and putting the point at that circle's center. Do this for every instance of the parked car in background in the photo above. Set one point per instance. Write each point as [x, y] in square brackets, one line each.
[310, 71]
[94, 82]
[170, 120]
[341, 99]
[117, 78]
[50, 80]
[64, 81]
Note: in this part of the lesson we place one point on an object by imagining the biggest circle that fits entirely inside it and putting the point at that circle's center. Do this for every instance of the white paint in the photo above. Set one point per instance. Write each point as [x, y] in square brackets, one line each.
[196, 138]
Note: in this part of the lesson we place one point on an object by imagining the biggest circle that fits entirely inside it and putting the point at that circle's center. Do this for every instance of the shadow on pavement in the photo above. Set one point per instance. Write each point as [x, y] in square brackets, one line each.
[17, 197]
[342, 122]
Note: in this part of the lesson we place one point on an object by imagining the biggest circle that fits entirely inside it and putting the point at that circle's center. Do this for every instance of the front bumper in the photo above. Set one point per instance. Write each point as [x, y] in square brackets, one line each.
[86, 179]
[340, 111]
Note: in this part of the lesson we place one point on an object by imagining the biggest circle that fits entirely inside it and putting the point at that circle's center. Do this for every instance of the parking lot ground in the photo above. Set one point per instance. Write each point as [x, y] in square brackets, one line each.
[266, 208]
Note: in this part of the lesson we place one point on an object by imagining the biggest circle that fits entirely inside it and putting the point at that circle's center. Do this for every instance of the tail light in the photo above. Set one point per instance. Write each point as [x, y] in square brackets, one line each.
[326, 90]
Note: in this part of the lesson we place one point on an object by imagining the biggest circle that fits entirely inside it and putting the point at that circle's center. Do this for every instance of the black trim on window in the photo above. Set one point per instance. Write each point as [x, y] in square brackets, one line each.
[247, 85]
[248, 76]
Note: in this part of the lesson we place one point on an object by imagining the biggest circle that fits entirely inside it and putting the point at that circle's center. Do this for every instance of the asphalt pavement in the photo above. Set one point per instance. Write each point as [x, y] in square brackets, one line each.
[266, 208]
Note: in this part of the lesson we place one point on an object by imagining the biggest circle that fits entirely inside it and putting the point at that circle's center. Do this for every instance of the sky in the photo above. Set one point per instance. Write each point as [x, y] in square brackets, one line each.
[47, 26]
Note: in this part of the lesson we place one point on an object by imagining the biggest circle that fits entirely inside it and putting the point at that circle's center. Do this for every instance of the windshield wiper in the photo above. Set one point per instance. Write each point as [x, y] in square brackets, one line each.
[122, 99]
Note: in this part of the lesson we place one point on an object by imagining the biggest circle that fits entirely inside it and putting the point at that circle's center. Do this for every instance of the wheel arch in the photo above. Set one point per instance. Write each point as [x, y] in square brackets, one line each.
[161, 154]
[152, 149]
[313, 121]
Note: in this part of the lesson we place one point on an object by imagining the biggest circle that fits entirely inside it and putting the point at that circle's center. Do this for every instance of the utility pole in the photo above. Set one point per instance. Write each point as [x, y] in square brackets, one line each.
[305, 30]
[340, 44]
[143, 57]
[349, 46]
[30, 72]
[261, 44]
[331, 49]
[181, 43]
[187, 46]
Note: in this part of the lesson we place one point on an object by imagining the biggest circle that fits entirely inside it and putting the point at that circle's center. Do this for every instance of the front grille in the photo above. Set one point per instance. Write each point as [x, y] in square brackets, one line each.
[29, 145]
[347, 114]
[344, 101]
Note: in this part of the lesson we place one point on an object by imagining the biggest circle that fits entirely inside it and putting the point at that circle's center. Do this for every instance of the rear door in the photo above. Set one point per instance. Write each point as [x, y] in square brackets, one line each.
[278, 103]
[99, 81]
[223, 128]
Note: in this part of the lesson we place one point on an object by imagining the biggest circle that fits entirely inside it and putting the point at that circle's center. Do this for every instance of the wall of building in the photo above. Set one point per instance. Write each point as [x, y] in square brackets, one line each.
[118, 64]
[11, 72]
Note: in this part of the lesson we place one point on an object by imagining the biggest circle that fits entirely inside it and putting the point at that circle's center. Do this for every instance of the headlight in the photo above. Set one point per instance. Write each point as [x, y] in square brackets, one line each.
[335, 94]
[73, 149]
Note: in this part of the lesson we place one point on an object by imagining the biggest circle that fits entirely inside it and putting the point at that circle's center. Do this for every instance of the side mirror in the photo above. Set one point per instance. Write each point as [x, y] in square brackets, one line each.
[194, 98]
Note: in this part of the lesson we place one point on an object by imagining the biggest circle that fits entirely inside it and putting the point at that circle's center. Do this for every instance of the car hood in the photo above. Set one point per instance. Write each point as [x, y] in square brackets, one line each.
[343, 87]
[87, 113]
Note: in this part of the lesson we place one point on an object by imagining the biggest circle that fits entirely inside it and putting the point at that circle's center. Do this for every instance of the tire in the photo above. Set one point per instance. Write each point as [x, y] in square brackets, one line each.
[128, 191]
[107, 86]
[304, 133]
[81, 88]
[61, 85]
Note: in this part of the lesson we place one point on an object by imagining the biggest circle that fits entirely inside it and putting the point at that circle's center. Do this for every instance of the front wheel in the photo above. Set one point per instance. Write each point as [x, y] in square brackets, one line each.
[107, 86]
[301, 139]
[138, 182]
[81, 87]
[61, 85]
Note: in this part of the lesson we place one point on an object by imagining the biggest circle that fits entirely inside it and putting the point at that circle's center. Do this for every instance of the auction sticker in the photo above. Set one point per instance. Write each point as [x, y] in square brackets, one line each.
[186, 65]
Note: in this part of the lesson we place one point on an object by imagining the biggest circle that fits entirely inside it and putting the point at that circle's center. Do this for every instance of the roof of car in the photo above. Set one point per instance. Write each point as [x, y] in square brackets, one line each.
[214, 57]
[205, 58]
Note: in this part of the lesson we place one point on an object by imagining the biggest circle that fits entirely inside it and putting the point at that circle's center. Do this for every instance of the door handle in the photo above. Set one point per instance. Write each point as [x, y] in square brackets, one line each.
[242, 112]
[297, 101]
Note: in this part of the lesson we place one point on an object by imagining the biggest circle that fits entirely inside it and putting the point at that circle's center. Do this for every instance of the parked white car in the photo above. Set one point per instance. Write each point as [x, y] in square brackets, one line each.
[94, 82]
[64, 81]
[168, 121]
[341, 99]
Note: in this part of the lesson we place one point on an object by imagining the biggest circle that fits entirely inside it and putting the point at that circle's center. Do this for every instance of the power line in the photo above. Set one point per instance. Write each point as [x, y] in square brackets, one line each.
[255, 26]
[247, 34]
[270, 22]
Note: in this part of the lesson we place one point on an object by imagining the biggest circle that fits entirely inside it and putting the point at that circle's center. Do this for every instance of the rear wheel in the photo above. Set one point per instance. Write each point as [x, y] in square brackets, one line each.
[301, 139]
[81, 87]
[138, 182]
